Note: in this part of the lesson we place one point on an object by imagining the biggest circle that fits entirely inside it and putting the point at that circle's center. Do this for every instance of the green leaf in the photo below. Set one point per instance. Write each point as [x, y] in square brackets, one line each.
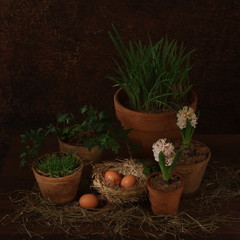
[155, 168]
[62, 117]
[146, 171]
[84, 109]
[133, 146]
[164, 169]
[33, 140]
[23, 163]
[176, 157]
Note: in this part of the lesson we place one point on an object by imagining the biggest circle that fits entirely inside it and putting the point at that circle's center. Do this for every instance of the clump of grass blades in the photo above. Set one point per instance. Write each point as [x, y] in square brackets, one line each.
[199, 214]
[57, 164]
[155, 77]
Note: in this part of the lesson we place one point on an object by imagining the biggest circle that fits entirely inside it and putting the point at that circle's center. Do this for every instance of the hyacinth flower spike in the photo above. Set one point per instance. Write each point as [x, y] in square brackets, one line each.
[166, 157]
[186, 121]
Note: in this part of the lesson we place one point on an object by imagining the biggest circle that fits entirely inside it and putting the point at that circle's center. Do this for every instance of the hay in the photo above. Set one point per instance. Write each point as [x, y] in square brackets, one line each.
[116, 194]
[201, 213]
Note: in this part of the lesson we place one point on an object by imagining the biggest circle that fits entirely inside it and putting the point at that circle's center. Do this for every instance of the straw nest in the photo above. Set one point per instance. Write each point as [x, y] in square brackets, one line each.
[116, 194]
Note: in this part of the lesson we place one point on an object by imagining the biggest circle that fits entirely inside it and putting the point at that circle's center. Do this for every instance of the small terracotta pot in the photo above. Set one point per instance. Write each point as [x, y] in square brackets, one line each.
[193, 173]
[147, 128]
[94, 156]
[164, 202]
[58, 190]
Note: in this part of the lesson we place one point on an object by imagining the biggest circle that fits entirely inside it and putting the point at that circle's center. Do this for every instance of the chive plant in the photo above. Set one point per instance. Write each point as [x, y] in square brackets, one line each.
[155, 77]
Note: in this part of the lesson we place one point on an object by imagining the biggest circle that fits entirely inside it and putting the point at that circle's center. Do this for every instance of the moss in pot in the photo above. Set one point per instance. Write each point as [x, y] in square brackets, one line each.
[57, 174]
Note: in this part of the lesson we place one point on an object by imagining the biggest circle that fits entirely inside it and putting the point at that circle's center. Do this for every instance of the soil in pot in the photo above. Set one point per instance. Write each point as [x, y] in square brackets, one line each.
[147, 128]
[164, 197]
[192, 164]
[158, 183]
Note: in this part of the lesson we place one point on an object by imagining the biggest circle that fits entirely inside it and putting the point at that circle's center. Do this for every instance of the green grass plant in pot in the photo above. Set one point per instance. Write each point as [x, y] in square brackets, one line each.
[88, 134]
[195, 154]
[164, 187]
[153, 82]
[57, 174]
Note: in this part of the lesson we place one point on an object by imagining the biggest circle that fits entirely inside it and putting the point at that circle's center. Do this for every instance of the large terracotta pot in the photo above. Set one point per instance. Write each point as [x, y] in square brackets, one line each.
[93, 156]
[147, 128]
[58, 190]
[193, 173]
[164, 202]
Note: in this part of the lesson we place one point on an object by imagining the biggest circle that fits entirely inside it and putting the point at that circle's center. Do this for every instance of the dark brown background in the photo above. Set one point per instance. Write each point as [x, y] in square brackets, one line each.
[55, 54]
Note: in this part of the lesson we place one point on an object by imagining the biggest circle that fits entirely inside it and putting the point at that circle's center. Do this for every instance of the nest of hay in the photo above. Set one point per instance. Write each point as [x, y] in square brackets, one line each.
[116, 194]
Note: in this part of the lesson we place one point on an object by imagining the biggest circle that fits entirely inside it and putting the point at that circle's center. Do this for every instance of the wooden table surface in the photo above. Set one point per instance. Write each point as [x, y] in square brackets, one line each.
[223, 147]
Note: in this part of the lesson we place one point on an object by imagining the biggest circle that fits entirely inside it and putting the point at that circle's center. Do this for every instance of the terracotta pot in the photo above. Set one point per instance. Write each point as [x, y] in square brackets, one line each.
[193, 173]
[147, 128]
[164, 202]
[89, 157]
[58, 190]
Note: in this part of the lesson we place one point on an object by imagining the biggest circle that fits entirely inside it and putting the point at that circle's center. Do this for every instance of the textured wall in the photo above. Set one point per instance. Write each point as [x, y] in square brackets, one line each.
[55, 54]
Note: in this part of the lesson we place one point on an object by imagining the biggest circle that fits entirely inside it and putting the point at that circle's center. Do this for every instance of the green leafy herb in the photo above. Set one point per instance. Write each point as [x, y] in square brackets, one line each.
[33, 139]
[94, 129]
[149, 167]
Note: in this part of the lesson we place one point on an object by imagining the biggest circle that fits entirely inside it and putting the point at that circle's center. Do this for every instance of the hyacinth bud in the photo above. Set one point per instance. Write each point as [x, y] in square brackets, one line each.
[166, 148]
[186, 121]
[186, 113]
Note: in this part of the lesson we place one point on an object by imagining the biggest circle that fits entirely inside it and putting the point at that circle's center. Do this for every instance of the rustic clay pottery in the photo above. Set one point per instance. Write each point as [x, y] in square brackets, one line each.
[58, 190]
[94, 156]
[193, 173]
[147, 128]
[164, 202]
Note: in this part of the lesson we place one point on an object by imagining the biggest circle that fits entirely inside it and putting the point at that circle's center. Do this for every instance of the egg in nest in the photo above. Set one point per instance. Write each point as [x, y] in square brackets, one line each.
[112, 178]
[128, 181]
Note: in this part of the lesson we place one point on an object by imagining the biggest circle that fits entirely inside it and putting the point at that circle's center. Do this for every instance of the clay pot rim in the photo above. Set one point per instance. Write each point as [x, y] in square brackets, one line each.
[76, 171]
[67, 142]
[79, 146]
[116, 100]
[168, 191]
[198, 163]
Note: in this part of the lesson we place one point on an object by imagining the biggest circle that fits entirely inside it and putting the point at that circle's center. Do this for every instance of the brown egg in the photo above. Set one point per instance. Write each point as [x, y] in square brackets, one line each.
[113, 178]
[88, 201]
[128, 181]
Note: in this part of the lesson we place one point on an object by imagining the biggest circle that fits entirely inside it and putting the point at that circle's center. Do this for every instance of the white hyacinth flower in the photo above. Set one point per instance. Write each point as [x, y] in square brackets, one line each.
[184, 114]
[166, 148]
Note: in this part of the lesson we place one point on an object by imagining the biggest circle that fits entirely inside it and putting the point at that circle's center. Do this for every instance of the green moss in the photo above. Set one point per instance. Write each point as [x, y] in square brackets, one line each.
[58, 165]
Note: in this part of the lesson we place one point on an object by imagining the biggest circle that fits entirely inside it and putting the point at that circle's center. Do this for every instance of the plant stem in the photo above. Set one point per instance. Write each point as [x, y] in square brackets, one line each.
[186, 143]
